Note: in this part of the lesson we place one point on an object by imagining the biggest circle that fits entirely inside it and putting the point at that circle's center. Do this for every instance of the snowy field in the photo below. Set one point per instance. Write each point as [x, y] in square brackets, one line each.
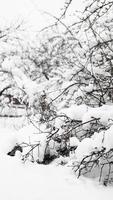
[32, 181]
[38, 182]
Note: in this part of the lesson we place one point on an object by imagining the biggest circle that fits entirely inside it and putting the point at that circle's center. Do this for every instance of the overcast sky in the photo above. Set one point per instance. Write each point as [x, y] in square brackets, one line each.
[13, 10]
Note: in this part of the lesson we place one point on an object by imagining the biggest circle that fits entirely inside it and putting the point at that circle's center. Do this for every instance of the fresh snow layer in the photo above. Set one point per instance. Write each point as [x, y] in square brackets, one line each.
[86, 113]
[31, 181]
[8, 140]
[38, 182]
[105, 113]
[96, 142]
[75, 112]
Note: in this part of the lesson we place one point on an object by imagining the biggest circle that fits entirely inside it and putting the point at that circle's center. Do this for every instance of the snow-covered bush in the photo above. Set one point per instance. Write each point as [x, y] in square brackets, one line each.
[63, 87]
[94, 156]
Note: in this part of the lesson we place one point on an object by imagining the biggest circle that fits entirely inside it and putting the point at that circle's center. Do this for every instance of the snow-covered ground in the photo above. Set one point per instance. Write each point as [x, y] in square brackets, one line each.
[32, 181]
[29, 181]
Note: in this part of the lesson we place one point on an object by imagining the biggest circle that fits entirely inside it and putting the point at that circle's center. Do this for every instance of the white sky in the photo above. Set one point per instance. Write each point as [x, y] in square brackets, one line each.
[13, 10]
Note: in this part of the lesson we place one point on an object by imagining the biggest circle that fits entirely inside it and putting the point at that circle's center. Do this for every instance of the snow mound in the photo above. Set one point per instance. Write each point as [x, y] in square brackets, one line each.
[105, 113]
[75, 111]
[104, 139]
